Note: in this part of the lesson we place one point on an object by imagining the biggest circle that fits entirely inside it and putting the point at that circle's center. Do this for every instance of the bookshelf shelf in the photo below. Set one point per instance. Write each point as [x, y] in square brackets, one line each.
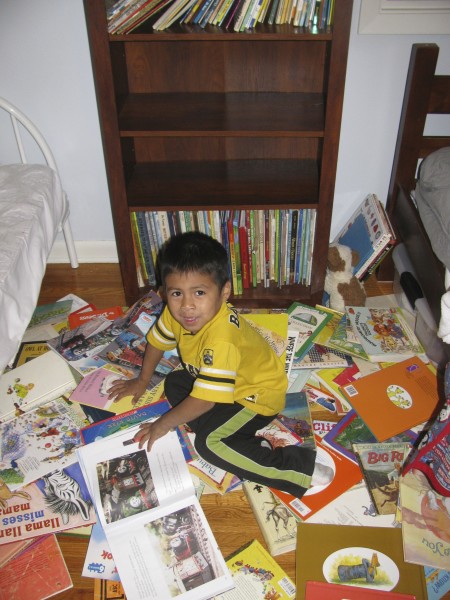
[209, 119]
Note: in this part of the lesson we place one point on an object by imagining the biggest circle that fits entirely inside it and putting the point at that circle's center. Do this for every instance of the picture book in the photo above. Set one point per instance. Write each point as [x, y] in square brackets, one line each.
[362, 557]
[80, 316]
[40, 380]
[368, 232]
[274, 329]
[256, 574]
[99, 561]
[327, 331]
[308, 321]
[398, 397]
[29, 350]
[323, 400]
[343, 474]
[320, 590]
[351, 429]
[107, 589]
[12, 549]
[217, 479]
[292, 338]
[37, 442]
[277, 523]
[39, 572]
[279, 435]
[425, 518]
[384, 333]
[332, 380]
[381, 465]
[322, 357]
[353, 507]
[438, 583]
[296, 416]
[59, 501]
[339, 340]
[51, 314]
[93, 389]
[146, 504]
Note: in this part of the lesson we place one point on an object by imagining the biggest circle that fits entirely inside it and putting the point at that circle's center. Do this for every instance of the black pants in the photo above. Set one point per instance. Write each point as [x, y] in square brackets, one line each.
[225, 437]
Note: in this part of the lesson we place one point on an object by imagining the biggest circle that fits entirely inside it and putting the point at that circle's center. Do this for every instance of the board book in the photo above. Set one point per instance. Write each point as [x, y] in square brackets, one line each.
[398, 397]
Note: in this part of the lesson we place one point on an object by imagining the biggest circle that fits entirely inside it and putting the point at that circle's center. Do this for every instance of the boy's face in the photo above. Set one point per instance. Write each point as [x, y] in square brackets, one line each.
[194, 298]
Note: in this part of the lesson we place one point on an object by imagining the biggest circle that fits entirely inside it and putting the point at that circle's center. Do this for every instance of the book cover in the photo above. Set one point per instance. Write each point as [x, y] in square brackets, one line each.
[383, 333]
[51, 314]
[39, 572]
[344, 473]
[398, 397]
[296, 416]
[381, 465]
[277, 523]
[77, 318]
[29, 350]
[308, 321]
[105, 589]
[340, 341]
[438, 583]
[93, 389]
[12, 549]
[273, 327]
[59, 501]
[39, 441]
[257, 575]
[40, 380]
[321, 400]
[320, 590]
[146, 504]
[363, 557]
[99, 561]
[425, 518]
[322, 357]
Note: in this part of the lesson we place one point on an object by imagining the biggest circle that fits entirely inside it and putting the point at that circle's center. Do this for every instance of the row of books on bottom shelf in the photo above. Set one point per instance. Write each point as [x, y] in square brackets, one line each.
[263, 246]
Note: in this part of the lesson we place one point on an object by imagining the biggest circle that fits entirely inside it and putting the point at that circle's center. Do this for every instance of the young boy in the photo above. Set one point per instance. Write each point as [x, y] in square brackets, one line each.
[232, 383]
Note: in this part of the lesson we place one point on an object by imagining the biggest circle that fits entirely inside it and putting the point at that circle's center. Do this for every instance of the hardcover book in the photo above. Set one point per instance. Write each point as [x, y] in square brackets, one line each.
[57, 502]
[277, 523]
[29, 350]
[381, 465]
[344, 474]
[308, 321]
[384, 333]
[146, 504]
[363, 557]
[257, 575]
[396, 398]
[36, 382]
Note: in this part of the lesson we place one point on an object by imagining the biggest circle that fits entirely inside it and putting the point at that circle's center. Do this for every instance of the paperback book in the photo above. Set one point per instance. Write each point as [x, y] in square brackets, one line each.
[320, 590]
[381, 465]
[308, 322]
[398, 397]
[322, 357]
[99, 561]
[146, 504]
[296, 416]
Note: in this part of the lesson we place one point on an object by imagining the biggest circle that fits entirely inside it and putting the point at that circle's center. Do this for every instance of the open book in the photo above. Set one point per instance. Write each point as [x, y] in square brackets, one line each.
[156, 529]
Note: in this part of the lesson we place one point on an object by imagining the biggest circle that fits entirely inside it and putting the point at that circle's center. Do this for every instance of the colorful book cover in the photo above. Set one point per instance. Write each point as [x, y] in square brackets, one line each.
[381, 465]
[257, 575]
[99, 561]
[57, 502]
[77, 318]
[365, 558]
[296, 416]
[438, 583]
[344, 473]
[93, 390]
[398, 397]
[29, 350]
[340, 340]
[308, 321]
[105, 589]
[384, 333]
[39, 572]
[321, 400]
[333, 379]
[322, 357]
[38, 442]
[277, 523]
[425, 518]
[320, 590]
[274, 329]
[51, 314]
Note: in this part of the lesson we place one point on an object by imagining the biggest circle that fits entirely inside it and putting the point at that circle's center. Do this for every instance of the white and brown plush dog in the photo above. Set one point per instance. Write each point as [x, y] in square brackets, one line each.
[340, 283]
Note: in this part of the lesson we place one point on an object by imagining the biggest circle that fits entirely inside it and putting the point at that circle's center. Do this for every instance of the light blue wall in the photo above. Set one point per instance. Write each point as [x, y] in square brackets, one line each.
[46, 71]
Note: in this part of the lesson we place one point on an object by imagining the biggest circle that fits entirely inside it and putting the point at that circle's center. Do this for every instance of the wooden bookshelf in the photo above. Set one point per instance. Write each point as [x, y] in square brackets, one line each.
[205, 119]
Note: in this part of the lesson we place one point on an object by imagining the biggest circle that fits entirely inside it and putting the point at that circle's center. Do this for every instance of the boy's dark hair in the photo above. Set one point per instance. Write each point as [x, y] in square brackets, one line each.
[193, 251]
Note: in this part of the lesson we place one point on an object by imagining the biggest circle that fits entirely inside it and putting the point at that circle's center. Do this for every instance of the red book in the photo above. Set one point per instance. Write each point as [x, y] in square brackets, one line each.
[245, 266]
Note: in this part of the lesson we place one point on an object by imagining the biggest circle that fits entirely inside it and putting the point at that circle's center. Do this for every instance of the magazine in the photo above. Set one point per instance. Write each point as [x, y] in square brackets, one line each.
[147, 507]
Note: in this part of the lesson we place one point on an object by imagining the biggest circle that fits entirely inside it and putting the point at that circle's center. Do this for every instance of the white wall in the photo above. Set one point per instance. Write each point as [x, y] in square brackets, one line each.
[45, 70]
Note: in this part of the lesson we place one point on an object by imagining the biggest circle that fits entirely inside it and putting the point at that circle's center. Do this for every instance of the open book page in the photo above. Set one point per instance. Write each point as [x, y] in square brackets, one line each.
[156, 529]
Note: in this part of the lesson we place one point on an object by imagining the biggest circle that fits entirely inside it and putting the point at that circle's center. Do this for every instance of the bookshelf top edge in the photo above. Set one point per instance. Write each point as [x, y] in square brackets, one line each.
[293, 33]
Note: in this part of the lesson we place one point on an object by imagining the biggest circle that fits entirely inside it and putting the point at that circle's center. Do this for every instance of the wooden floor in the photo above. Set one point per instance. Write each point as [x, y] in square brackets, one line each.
[229, 516]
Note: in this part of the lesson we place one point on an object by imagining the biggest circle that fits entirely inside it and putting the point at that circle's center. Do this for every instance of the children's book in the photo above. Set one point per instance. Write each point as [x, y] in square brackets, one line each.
[365, 558]
[320, 590]
[323, 401]
[36, 382]
[12, 549]
[398, 397]
[343, 474]
[94, 388]
[57, 502]
[339, 340]
[381, 465]
[256, 574]
[51, 314]
[217, 479]
[425, 518]
[438, 583]
[274, 329]
[99, 561]
[277, 523]
[156, 529]
[351, 429]
[296, 416]
[39, 572]
[37, 442]
[322, 357]
[108, 589]
[332, 380]
[80, 316]
[384, 333]
[308, 321]
[327, 331]
[29, 350]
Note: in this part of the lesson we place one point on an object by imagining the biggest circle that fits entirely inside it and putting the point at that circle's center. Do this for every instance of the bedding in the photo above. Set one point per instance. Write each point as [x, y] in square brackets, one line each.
[32, 206]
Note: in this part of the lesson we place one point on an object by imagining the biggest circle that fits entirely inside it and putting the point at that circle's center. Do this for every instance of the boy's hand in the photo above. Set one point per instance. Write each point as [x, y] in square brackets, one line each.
[150, 432]
[127, 387]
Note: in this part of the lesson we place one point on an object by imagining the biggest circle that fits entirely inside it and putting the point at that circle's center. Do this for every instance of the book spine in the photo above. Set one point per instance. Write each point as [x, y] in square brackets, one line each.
[232, 255]
[138, 243]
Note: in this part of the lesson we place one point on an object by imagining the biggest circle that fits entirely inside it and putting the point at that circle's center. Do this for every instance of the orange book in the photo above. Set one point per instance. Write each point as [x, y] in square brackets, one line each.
[395, 398]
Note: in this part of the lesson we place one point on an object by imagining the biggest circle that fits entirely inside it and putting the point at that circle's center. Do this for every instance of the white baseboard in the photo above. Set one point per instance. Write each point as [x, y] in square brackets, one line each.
[88, 252]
